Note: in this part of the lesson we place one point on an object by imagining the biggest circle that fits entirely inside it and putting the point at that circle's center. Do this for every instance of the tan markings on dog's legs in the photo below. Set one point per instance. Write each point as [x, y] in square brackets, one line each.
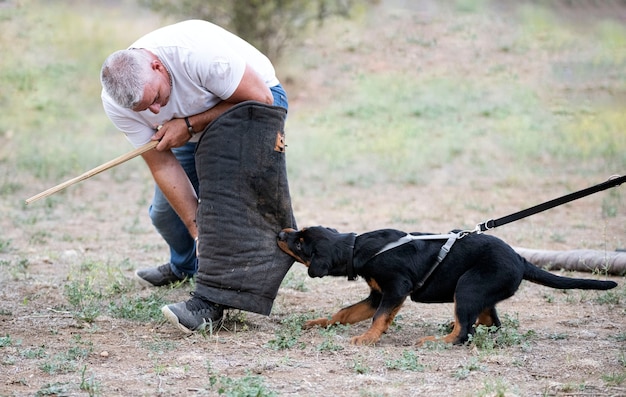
[349, 315]
[450, 338]
[379, 326]
[374, 285]
[485, 318]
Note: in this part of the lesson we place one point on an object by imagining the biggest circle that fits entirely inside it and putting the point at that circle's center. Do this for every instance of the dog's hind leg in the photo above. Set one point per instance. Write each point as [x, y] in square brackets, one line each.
[461, 328]
[472, 305]
[477, 293]
[489, 317]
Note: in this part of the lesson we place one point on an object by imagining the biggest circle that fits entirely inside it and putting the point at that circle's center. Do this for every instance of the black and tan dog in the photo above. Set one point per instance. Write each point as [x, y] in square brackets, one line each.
[478, 272]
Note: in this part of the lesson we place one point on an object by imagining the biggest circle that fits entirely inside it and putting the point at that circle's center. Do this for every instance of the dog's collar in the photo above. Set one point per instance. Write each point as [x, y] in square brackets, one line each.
[350, 264]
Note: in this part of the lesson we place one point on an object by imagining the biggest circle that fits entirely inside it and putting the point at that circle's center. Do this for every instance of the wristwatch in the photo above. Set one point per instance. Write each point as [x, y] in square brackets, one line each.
[189, 127]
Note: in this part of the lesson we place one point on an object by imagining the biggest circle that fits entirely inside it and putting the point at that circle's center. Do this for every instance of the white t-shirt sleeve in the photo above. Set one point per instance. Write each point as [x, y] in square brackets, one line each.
[219, 70]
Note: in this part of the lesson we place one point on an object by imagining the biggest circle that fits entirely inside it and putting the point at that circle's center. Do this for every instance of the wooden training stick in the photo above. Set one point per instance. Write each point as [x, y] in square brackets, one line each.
[110, 164]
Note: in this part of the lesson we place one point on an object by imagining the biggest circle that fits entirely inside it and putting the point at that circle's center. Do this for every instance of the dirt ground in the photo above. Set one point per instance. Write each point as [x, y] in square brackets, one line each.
[568, 343]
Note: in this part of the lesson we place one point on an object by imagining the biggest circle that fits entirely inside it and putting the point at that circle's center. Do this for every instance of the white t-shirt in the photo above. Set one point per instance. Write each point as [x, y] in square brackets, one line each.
[206, 63]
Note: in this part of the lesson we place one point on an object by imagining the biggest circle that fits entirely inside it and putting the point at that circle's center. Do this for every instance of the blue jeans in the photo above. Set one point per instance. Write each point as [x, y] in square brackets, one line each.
[280, 96]
[183, 259]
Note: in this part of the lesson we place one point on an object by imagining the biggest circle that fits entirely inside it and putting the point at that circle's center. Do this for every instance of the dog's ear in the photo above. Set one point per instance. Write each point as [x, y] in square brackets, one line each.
[320, 265]
[332, 230]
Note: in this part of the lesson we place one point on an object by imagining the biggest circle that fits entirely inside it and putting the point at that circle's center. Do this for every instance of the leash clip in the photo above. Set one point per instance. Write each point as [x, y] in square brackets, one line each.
[479, 229]
[483, 227]
[467, 232]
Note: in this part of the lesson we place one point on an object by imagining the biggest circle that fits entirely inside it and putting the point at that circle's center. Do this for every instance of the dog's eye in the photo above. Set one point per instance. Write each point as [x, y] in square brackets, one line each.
[298, 245]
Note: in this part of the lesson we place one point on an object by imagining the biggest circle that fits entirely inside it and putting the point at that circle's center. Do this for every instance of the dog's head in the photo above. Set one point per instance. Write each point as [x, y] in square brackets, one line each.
[319, 248]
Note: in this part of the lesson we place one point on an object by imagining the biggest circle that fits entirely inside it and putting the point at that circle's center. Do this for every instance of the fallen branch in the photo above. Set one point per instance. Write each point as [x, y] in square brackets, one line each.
[609, 262]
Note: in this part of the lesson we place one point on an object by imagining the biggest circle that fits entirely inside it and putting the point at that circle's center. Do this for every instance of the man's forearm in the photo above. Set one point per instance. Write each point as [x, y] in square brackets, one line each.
[201, 120]
[171, 178]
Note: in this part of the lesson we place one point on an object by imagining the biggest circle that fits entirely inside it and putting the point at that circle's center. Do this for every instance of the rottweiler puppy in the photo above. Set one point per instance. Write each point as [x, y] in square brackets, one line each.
[478, 272]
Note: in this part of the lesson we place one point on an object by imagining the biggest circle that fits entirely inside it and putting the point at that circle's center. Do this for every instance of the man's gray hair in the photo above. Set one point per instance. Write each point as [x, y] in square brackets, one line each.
[124, 75]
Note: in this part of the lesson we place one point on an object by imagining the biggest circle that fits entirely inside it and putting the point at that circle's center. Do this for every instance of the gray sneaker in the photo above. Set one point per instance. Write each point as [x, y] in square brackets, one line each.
[157, 276]
[196, 314]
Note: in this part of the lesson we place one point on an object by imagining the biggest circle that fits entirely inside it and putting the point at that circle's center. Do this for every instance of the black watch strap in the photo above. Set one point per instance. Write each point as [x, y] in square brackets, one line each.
[189, 127]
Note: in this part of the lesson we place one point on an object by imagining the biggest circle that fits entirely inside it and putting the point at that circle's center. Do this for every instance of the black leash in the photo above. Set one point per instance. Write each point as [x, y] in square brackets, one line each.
[493, 223]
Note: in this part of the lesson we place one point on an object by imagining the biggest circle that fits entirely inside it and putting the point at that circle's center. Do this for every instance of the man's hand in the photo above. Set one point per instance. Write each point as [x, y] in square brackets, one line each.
[172, 134]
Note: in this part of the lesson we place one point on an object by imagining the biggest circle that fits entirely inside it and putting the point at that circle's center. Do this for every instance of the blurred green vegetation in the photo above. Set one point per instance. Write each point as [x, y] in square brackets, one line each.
[388, 126]
[52, 122]
[566, 116]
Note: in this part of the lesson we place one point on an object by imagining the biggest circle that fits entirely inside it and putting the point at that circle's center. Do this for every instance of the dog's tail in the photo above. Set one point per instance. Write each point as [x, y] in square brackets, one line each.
[539, 276]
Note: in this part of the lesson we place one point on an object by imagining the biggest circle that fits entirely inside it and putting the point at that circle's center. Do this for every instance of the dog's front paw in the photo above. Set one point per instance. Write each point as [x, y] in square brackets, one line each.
[364, 339]
[321, 322]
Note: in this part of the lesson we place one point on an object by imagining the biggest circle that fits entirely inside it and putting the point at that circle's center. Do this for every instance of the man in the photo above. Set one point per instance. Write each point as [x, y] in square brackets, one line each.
[168, 86]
